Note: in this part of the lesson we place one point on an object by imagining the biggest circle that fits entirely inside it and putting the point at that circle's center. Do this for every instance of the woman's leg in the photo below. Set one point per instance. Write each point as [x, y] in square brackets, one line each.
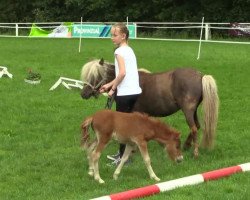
[125, 104]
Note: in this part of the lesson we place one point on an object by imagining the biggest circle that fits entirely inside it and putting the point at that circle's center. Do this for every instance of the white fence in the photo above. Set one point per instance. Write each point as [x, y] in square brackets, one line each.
[150, 30]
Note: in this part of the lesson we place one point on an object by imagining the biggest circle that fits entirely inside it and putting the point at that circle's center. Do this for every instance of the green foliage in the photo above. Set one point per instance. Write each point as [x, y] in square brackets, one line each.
[33, 76]
[107, 10]
[40, 157]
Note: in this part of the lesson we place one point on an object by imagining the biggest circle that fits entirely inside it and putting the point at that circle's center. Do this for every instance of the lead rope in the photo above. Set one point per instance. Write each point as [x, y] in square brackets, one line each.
[110, 101]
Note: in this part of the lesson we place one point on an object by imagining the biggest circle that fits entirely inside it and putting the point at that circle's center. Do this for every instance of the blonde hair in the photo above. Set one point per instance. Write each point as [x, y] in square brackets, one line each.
[123, 29]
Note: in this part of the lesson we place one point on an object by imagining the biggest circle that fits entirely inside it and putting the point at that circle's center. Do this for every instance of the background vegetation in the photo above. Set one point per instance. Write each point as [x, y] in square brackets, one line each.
[40, 156]
[140, 11]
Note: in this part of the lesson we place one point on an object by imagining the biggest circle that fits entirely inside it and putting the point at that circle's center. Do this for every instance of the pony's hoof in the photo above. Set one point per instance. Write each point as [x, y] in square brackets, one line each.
[196, 154]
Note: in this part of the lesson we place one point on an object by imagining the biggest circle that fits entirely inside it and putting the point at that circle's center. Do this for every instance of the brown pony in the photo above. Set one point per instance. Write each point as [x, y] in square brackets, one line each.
[132, 129]
[164, 94]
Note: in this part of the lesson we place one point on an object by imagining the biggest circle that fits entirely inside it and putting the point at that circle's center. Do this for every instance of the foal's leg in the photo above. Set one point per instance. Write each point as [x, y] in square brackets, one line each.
[144, 152]
[89, 151]
[125, 157]
[95, 155]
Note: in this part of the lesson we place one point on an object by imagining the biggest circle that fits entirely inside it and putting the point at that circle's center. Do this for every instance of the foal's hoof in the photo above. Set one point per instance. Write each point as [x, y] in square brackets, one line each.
[91, 173]
[157, 179]
[101, 181]
[115, 176]
[179, 159]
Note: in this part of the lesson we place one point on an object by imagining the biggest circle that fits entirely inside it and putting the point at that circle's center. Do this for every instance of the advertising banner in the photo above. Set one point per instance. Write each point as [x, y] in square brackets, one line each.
[64, 30]
[94, 31]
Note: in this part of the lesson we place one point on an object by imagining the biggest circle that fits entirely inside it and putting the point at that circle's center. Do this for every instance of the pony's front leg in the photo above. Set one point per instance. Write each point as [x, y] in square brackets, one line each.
[144, 152]
[125, 157]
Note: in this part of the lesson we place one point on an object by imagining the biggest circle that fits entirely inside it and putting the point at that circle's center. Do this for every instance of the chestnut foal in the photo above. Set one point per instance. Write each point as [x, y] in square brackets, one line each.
[132, 129]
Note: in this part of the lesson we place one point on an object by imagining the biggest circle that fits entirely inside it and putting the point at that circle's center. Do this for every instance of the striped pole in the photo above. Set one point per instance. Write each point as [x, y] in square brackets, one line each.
[170, 185]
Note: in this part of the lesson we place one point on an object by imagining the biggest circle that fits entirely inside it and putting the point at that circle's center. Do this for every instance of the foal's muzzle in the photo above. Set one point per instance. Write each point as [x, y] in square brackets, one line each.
[179, 159]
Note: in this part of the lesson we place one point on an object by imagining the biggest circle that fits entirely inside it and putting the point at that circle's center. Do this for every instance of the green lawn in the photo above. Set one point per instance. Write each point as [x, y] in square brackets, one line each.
[40, 156]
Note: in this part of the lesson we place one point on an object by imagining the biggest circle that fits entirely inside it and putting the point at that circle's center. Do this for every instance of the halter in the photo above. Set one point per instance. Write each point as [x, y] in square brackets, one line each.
[94, 88]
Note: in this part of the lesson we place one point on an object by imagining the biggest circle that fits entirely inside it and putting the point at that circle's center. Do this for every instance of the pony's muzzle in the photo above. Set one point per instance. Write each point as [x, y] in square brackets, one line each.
[179, 159]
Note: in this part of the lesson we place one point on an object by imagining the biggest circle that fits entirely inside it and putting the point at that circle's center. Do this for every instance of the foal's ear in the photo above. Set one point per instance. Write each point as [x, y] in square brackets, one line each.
[101, 62]
[177, 136]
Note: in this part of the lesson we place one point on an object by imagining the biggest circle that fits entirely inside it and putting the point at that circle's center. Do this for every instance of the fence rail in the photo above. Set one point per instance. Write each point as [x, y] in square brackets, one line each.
[154, 30]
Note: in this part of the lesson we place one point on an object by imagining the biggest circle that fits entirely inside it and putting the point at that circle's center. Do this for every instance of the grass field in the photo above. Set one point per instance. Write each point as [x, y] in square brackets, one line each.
[40, 156]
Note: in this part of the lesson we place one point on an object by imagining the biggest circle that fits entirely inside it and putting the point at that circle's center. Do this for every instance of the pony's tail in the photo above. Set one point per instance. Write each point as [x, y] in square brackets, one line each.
[210, 110]
[85, 143]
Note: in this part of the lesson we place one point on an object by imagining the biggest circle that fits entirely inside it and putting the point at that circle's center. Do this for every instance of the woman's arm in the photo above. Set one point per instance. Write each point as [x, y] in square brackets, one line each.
[122, 71]
[111, 86]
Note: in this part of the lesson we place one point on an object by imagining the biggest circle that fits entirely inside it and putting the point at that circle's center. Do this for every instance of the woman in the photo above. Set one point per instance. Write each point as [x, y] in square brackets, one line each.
[126, 83]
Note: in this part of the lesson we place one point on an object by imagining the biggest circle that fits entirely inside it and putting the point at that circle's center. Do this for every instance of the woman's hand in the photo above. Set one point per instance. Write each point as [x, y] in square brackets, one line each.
[111, 92]
[104, 88]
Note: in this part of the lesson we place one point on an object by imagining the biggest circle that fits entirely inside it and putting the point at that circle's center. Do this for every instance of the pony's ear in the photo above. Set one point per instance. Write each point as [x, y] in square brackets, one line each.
[101, 62]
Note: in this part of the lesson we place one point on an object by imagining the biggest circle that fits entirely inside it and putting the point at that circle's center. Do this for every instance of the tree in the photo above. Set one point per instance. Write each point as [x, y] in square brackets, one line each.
[140, 10]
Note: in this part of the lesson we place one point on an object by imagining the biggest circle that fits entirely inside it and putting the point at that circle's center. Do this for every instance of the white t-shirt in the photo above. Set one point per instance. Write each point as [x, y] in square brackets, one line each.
[130, 83]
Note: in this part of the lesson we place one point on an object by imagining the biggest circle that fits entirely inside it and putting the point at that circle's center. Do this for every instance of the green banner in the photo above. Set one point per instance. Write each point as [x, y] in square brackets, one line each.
[94, 31]
[64, 30]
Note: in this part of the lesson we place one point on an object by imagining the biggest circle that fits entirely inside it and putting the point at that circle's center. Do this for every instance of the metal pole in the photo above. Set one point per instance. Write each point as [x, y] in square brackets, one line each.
[80, 40]
[199, 51]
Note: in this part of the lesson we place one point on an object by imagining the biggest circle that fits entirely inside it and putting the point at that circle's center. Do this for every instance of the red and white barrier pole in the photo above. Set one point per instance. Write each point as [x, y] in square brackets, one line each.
[170, 185]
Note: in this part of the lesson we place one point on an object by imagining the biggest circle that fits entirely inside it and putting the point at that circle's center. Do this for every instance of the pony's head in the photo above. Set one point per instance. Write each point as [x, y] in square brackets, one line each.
[94, 74]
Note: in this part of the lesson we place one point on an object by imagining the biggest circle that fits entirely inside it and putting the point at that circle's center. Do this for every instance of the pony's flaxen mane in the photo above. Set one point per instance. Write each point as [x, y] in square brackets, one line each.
[94, 71]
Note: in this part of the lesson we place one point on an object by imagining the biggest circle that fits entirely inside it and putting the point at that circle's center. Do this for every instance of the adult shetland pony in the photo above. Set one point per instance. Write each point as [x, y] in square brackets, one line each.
[164, 94]
[132, 129]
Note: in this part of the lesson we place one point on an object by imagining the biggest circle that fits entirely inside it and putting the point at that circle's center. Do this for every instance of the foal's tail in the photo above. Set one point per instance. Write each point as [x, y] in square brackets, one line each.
[85, 140]
[210, 109]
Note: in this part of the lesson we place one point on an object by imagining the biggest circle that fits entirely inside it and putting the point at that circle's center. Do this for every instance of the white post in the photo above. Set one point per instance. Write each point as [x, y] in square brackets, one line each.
[127, 20]
[207, 31]
[135, 30]
[16, 30]
[80, 40]
[199, 51]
